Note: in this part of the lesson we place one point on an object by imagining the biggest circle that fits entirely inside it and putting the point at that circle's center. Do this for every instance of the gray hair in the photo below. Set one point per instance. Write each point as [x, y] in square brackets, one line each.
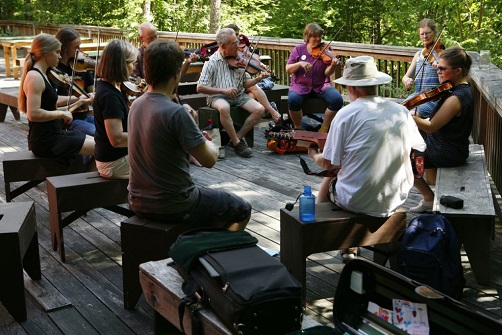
[224, 35]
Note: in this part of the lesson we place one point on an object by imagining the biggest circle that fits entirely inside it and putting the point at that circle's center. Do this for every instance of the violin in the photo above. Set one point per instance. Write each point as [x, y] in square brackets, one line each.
[83, 63]
[64, 80]
[201, 57]
[132, 89]
[324, 53]
[430, 95]
[432, 52]
[250, 62]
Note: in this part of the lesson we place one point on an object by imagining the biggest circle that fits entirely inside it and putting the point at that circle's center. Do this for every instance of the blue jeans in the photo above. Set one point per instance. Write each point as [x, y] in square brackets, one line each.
[85, 126]
[330, 95]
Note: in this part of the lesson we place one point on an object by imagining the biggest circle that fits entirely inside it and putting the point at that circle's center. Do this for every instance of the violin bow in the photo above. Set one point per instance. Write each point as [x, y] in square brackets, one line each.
[249, 60]
[327, 45]
[97, 59]
[70, 92]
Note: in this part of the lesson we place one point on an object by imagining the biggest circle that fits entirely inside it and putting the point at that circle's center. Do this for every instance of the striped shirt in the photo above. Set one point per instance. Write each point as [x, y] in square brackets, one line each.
[426, 79]
[217, 73]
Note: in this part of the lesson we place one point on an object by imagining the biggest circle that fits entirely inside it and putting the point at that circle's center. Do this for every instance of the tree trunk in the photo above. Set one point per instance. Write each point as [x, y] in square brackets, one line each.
[147, 10]
[215, 16]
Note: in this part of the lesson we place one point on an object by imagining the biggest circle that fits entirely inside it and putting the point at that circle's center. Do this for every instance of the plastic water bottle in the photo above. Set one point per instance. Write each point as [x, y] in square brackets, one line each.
[307, 205]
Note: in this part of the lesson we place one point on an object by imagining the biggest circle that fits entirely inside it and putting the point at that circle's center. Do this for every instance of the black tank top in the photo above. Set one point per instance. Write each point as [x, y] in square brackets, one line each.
[43, 135]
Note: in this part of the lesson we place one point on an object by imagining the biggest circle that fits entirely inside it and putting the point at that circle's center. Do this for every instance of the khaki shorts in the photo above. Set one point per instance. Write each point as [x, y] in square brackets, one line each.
[117, 169]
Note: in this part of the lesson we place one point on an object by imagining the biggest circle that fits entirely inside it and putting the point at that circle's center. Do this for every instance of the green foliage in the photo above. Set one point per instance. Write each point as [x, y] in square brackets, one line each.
[473, 24]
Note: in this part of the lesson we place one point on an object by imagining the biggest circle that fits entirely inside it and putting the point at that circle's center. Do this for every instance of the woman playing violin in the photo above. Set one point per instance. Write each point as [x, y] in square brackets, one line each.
[70, 42]
[424, 70]
[111, 109]
[311, 78]
[255, 91]
[449, 127]
[38, 99]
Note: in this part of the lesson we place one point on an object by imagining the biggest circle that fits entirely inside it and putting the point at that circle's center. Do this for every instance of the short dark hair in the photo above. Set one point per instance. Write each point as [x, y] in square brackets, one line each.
[311, 29]
[113, 62]
[456, 56]
[162, 61]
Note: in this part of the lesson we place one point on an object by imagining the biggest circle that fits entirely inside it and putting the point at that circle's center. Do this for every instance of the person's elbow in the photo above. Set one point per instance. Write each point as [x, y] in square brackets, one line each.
[206, 154]
[200, 88]
[118, 141]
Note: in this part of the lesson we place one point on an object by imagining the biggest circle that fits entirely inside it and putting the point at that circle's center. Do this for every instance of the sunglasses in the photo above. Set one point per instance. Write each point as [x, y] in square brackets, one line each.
[441, 68]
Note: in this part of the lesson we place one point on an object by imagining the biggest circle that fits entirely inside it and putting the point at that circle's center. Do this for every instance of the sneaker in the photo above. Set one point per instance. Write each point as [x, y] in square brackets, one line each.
[241, 149]
[423, 206]
[349, 254]
[274, 106]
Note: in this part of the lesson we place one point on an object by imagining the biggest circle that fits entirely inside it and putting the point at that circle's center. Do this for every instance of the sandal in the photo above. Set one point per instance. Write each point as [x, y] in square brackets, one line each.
[349, 254]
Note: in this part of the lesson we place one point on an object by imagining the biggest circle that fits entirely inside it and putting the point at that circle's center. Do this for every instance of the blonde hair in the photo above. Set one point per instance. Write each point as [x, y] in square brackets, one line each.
[42, 44]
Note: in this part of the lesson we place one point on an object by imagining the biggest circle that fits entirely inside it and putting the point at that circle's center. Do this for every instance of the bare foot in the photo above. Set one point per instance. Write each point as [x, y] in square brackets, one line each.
[193, 161]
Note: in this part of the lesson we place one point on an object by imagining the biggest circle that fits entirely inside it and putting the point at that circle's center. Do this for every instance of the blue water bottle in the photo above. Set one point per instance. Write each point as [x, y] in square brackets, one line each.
[307, 205]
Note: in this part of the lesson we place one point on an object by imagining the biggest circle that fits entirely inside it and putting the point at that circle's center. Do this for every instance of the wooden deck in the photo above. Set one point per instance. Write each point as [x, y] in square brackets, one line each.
[84, 295]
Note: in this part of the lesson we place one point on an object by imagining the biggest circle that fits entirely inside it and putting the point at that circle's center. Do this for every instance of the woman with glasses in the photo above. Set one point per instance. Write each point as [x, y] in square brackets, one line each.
[449, 126]
[111, 109]
[422, 72]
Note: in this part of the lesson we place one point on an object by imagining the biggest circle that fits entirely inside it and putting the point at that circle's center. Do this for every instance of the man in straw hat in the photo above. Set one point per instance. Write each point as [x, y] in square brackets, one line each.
[369, 143]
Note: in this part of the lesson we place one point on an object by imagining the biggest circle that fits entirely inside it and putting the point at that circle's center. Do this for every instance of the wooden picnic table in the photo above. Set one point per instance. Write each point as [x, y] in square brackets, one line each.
[10, 47]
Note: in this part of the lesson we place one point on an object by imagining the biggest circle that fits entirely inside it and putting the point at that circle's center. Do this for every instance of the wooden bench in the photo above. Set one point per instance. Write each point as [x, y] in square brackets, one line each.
[310, 106]
[333, 229]
[26, 167]
[18, 251]
[78, 194]
[8, 99]
[144, 240]
[238, 115]
[161, 284]
[475, 222]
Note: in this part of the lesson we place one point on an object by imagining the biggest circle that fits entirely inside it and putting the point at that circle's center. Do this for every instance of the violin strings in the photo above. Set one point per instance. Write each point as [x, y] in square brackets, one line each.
[249, 60]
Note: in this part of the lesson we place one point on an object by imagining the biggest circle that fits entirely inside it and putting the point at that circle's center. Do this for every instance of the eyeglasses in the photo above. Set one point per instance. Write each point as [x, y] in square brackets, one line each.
[152, 38]
[440, 68]
[425, 33]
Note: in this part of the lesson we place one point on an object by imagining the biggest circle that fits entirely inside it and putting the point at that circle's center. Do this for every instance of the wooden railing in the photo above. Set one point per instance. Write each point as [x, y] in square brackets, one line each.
[487, 129]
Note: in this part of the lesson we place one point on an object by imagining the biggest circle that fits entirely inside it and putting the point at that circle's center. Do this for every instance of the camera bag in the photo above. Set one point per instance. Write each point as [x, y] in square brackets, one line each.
[249, 290]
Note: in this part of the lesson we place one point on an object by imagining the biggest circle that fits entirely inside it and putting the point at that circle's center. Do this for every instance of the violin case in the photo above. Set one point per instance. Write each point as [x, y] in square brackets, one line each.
[362, 281]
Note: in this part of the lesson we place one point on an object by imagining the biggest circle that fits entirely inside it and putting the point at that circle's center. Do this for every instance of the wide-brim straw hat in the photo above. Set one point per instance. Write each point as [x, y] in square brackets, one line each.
[362, 71]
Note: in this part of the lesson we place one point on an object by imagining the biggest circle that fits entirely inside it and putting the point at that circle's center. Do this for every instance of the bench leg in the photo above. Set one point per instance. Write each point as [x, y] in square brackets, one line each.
[3, 112]
[161, 326]
[12, 285]
[31, 260]
[292, 255]
[474, 234]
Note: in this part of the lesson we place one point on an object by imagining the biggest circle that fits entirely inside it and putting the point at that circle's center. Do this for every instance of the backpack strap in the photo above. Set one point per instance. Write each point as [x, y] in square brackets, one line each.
[193, 300]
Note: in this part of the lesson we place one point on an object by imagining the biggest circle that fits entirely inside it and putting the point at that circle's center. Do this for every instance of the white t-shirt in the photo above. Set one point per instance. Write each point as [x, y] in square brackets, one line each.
[371, 139]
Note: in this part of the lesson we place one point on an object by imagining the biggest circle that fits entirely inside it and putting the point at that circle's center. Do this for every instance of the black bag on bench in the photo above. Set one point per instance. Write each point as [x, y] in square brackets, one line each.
[249, 290]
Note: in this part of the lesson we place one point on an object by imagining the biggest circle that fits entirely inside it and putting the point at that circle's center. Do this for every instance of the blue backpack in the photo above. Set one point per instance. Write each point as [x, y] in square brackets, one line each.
[430, 254]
